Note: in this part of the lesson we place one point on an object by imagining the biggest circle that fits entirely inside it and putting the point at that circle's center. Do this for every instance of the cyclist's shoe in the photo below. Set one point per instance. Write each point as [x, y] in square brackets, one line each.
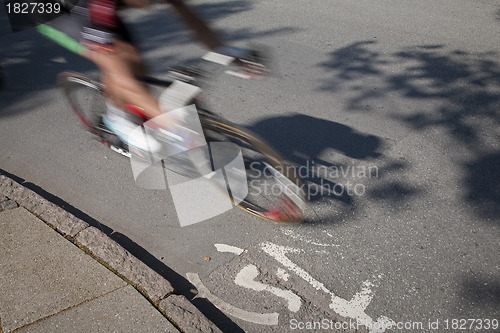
[129, 131]
[244, 63]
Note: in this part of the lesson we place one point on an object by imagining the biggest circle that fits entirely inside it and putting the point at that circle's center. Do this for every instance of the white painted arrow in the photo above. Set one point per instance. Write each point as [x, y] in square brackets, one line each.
[355, 308]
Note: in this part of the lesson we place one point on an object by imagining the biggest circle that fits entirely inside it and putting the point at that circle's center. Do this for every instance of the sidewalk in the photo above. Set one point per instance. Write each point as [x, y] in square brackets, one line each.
[76, 279]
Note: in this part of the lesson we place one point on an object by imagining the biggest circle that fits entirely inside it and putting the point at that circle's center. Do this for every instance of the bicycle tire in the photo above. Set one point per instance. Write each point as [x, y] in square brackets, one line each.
[88, 102]
[291, 200]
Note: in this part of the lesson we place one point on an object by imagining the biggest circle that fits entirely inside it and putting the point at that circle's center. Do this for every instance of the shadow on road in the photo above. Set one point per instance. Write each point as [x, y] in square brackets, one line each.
[341, 166]
[464, 88]
[452, 98]
[480, 292]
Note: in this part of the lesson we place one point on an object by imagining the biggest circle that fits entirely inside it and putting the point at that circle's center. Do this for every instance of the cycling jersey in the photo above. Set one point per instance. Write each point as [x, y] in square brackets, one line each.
[104, 13]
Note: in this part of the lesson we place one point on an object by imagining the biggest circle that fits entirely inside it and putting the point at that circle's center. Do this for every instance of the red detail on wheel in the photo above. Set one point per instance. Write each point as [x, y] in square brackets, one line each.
[291, 208]
[285, 210]
[83, 120]
[271, 214]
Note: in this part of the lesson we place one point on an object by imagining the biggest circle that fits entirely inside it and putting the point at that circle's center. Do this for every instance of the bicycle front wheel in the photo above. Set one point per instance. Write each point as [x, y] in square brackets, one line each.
[275, 191]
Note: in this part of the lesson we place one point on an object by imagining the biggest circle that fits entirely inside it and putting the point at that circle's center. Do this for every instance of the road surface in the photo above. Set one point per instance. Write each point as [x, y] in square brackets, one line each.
[392, 107]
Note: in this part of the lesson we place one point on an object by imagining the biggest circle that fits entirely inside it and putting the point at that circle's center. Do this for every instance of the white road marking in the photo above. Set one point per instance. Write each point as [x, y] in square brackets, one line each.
[292, 234]
[246, 278]
[253, 317]
[355, 308]
[282, 274]
[229, 248]
[279, 253]
[328, 234]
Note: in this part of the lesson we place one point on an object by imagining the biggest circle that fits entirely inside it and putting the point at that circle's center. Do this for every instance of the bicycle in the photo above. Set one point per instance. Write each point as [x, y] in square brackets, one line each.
[87, 100]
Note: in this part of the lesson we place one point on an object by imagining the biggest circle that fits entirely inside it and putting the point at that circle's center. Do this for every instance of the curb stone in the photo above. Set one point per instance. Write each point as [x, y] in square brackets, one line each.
[6, 203]
[107, 250]
[158, 290]
[179, 307]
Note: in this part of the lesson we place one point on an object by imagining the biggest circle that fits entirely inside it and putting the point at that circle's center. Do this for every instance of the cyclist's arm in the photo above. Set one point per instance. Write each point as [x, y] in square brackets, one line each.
[202, 31]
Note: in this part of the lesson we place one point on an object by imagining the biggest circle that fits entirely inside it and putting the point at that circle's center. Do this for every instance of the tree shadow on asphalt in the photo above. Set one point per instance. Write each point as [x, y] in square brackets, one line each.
[457, 94]
[464, 85]
[31, 64]
[480, 292]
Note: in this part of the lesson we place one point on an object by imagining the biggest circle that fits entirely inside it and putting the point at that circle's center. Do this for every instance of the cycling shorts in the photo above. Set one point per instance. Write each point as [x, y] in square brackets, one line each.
[92, 22]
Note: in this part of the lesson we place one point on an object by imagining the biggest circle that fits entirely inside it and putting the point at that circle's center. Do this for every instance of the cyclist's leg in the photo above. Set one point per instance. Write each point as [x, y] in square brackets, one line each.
[119, 69]
[249, 62]
[118, 76]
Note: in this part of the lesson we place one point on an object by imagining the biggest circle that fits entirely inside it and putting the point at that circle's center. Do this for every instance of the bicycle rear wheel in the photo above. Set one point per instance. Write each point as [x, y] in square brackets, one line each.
[89, 103]
[275, 191]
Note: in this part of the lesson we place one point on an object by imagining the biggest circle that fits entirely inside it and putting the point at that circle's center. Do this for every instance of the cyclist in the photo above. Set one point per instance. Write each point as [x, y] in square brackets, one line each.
[102, 37]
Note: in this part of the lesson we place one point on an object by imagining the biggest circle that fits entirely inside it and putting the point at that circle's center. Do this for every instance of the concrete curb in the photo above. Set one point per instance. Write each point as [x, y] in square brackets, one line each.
[152, 285]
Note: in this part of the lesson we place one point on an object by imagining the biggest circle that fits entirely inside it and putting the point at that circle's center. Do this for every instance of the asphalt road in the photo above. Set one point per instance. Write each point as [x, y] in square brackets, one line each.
[396, 101]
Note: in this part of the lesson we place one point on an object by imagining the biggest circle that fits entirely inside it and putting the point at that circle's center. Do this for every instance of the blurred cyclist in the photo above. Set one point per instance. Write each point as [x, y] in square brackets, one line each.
[102, 37]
